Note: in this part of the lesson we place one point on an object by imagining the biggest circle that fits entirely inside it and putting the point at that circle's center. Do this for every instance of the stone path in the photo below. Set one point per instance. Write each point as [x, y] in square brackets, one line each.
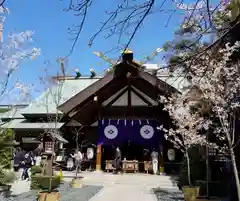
[118, 192]
[126, 187]
[20, 186]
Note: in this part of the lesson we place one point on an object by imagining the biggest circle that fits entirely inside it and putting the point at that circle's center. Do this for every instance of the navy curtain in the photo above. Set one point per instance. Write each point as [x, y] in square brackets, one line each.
[142, 132]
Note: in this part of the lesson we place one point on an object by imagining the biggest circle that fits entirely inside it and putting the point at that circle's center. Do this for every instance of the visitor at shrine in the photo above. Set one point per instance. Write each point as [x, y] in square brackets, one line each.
[78, 159]
[117, 164]
[90, 155]
[154, 156]
[27, 164]
[17, 158]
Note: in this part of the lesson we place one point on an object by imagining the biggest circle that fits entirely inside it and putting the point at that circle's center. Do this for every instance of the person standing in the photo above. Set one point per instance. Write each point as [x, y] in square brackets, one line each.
[154, 156]
[78, 159]
[118, 160]
[90, 155]
[17, 158]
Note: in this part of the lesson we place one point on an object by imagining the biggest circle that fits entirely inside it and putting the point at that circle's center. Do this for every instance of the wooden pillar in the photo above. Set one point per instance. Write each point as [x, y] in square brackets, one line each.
[99, 157]
[161, 162]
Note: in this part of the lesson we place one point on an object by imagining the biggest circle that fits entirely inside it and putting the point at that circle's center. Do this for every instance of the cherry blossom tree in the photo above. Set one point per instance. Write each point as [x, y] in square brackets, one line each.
[187, 130]
[14, 50]
[217, 80]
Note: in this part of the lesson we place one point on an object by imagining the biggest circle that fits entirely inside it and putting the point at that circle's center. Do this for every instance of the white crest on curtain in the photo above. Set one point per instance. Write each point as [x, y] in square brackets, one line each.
[117, 121]
[102, 121]
[132, 122]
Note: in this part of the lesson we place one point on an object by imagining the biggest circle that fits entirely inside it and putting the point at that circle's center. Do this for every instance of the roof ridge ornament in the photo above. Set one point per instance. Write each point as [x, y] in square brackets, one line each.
[127, 55]
[127, 51]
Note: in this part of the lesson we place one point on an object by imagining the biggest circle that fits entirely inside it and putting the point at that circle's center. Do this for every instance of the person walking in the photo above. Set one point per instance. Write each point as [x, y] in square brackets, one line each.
[27, 163]
[154, 156]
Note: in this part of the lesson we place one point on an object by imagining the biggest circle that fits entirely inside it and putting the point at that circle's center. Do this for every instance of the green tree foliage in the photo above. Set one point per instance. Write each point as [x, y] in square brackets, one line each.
[6, 139]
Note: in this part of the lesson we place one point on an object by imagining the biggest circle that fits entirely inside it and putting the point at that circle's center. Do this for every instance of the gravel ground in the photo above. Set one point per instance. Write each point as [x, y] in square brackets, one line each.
[168, 195]
[66, 194]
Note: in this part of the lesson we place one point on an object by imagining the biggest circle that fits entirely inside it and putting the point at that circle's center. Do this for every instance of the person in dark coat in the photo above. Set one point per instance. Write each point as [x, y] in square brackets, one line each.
[27, 163]
[17, 158]
[118, 160]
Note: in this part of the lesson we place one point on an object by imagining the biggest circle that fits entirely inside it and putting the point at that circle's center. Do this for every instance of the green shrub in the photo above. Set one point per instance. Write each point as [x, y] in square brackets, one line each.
[7, 177]
[36, 170]
[42, 182]
[6, 138]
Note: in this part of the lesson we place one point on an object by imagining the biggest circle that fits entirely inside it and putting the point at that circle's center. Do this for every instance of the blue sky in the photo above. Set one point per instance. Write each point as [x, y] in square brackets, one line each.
[51, 23]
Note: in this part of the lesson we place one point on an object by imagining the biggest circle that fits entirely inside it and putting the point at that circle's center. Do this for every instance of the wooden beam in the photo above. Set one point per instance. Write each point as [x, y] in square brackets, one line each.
[146, 88]
[117, 97]
[141, 97]
[155, 81]
[129, 95]
[134, 111]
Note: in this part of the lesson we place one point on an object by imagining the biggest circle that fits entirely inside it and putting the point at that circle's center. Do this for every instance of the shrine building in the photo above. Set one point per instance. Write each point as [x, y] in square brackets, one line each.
[120, 108]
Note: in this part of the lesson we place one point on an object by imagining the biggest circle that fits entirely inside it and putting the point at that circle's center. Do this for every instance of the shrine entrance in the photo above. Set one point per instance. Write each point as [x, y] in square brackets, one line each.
[136, 140]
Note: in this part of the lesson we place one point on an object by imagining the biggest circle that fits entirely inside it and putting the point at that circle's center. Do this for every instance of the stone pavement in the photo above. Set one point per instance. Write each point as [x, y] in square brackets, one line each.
[20, 186]
[126, 186]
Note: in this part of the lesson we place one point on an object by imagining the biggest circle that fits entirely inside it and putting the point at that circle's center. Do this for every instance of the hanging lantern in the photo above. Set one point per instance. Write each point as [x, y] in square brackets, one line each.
[60, 145]
[95, 98]
[171, 154]
[93, 74]
[78, 74]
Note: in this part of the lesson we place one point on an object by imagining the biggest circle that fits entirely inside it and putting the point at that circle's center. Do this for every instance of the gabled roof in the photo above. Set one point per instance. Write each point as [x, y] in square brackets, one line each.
[14, 113]
[125, 73]
[50, 99]
[24, 124]
[54, 135]
[48, 102]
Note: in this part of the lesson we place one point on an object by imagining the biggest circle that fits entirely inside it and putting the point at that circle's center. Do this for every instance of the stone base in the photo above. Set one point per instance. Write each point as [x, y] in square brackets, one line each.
[98, 171]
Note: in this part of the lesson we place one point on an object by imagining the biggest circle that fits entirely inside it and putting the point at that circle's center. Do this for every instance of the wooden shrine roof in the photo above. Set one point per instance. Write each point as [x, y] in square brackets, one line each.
[125, 74]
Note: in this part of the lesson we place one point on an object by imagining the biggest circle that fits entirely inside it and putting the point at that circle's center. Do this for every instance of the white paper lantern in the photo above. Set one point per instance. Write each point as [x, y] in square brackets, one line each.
[60, 145]
[171, 154]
